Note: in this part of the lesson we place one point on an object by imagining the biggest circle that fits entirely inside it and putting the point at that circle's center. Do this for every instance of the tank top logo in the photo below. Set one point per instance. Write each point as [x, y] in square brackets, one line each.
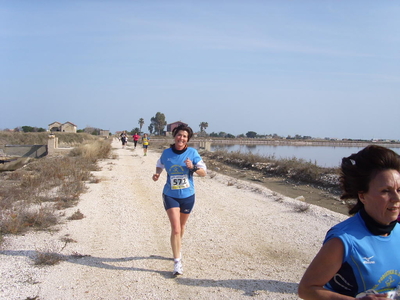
[368, 261]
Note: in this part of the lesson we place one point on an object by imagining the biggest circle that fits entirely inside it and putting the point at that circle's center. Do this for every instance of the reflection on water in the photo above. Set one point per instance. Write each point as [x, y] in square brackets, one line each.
[323, 156]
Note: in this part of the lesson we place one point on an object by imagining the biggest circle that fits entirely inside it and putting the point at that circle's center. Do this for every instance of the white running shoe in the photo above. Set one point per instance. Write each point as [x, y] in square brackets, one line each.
[178, 268]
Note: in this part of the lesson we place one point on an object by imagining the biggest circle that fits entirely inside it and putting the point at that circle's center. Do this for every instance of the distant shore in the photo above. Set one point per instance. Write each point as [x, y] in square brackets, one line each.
[327, 143]
[281, 142]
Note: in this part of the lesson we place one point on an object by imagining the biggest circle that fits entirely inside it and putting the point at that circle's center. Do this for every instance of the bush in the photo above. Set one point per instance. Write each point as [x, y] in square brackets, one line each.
[46, 258]
[77, 215]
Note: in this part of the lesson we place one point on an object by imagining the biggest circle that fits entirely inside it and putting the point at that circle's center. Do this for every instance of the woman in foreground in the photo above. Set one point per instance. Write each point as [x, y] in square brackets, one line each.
[180, 163]
[360, 256]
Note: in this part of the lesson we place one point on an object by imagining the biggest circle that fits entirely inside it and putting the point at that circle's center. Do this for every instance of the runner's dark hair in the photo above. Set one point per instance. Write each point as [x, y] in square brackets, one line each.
[184, 128]
[360, 168]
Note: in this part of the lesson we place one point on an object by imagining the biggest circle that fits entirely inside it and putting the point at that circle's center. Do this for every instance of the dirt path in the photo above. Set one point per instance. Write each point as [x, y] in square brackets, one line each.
[242, 241]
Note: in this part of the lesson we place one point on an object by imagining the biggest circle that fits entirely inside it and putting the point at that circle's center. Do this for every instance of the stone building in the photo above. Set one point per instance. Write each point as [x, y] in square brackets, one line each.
[66, 127]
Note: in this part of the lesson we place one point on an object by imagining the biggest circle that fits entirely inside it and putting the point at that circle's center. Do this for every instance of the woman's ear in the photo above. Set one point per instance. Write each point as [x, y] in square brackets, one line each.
[361, 197]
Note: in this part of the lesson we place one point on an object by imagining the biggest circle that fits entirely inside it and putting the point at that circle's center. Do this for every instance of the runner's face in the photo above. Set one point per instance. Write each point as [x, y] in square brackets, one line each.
[181, 139]
[382, 201]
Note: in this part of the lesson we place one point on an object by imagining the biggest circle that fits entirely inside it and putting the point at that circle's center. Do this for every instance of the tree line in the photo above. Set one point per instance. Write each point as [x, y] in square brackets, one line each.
[157, 126]
[158, 123]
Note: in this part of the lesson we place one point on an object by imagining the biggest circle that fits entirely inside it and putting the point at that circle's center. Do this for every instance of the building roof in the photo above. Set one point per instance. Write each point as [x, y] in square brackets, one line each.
[54, 123]
[62, 123]
[70, 123]
[177, 122]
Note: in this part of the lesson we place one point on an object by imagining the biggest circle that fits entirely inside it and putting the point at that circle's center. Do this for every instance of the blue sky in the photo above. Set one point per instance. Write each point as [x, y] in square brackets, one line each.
[318, 68]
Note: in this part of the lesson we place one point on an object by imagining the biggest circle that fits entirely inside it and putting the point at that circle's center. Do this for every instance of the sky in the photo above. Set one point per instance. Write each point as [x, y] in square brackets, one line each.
[311, 68]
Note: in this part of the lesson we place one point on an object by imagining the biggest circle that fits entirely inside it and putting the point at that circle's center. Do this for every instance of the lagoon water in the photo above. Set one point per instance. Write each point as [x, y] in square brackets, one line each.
[324, 156]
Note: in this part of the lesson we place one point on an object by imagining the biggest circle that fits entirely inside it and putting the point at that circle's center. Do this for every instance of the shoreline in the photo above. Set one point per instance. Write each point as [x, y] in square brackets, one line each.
[319, 195]
[285, 142]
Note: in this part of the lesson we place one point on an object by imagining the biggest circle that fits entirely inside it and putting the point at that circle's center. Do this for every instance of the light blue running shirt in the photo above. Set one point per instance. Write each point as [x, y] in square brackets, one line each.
[369, 262]
[179, 180]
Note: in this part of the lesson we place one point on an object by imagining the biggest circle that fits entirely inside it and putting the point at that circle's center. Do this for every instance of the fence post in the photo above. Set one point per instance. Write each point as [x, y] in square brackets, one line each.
[52, 144]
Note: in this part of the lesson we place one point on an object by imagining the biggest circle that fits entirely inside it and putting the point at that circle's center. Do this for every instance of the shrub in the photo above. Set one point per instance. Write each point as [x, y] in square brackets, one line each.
[76, 215]
[302, 207]
[47, 258]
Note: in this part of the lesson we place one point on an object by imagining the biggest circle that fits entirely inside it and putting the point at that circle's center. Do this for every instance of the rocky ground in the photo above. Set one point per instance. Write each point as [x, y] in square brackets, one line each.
[243, 241]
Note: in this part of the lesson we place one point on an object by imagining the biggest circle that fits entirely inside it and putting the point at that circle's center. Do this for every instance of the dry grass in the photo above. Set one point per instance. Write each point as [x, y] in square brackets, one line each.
[46, 258]
[295, 169]
[98, 149]
[302, 207]
[40, 138]
[31, 197]
[67, 240]
[76, 216]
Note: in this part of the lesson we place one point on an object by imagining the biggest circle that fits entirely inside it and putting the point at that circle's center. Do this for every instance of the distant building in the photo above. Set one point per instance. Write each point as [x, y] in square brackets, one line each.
[66, 127]
[55, 126]
[172, 126]
[105, 132]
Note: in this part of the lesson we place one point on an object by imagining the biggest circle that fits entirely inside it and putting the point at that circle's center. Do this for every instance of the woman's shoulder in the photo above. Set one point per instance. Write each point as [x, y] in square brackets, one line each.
[396, 229]
[167, 150]
[353, 227]
[350, 223]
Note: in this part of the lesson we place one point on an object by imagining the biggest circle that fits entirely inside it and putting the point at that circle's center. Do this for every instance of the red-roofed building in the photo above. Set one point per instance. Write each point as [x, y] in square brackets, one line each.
[171, 126]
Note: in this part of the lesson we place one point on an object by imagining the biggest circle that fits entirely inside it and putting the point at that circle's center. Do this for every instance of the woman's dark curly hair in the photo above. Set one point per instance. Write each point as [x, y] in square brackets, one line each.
[360, 168]
[184, 128]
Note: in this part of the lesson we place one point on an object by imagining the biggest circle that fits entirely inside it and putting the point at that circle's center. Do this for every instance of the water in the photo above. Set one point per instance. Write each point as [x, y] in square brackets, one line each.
[324, 156]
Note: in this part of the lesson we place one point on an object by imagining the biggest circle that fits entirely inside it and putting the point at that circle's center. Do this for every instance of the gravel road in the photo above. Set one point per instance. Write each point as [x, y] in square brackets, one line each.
[242, 241]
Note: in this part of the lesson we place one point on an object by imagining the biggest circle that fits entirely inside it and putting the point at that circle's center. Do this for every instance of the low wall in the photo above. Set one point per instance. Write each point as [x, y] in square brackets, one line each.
[35, 151]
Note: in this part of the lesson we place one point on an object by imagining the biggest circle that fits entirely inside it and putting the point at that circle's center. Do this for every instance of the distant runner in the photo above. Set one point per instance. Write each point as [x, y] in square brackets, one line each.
[145, 142]
[124, 139]
[135, 137]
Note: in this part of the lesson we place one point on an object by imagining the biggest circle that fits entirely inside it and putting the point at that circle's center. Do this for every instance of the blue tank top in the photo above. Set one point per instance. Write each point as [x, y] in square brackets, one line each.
[179, 179]
[369, 261]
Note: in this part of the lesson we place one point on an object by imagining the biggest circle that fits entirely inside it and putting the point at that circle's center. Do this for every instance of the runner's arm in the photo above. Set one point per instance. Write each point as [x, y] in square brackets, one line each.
[200, 167]
[324, 266]
[159, 169]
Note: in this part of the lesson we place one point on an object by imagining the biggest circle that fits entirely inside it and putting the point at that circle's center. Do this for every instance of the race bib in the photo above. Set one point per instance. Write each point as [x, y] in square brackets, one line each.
[179, 182]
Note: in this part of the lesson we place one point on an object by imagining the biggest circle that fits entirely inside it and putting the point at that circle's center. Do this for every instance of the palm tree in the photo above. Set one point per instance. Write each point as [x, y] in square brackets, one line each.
[203, 126]
[141, 122]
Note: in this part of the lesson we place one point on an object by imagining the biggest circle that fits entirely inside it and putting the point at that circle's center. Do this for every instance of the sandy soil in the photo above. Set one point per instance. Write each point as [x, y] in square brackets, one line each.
[242, 241]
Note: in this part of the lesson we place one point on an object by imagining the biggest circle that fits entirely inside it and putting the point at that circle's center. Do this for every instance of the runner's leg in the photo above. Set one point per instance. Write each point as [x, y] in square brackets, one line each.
[174, 216]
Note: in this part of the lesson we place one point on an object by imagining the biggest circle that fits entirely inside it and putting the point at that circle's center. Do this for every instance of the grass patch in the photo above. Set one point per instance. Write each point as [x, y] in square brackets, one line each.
[46, 258]
[98, 149]
[301, 207]
[76, 216]
[31, 197]
[67, 240]
[40, 138]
